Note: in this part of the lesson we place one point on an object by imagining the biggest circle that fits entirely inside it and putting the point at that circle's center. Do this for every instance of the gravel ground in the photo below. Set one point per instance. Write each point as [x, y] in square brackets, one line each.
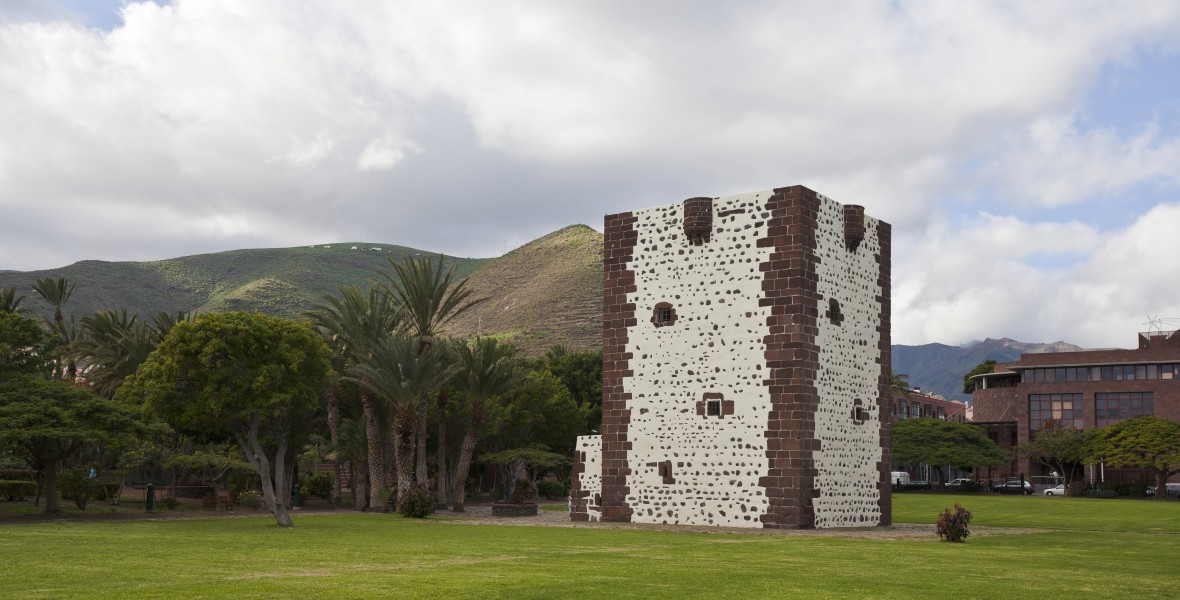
[482, 515]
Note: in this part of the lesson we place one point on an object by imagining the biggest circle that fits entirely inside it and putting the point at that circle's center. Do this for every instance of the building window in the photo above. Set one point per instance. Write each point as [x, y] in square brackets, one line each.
[663, 314]
[1102, 373]
[1110, 408]
[1065, 409]
[713, 408]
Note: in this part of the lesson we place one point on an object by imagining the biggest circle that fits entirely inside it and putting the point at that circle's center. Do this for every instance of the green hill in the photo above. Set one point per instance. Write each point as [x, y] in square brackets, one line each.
[546, 292]
[279, 281]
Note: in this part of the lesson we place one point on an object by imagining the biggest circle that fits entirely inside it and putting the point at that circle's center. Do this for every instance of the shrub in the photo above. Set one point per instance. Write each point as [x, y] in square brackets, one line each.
[79, 487]
[417, 502]
[1120, 489]
[18, 475]
[550, 488]
[17, 490]
[1137, 490]
[168, 503]
[1077, 489]
[972, 486]
[250, 499]
[952, 526]
[317, 484]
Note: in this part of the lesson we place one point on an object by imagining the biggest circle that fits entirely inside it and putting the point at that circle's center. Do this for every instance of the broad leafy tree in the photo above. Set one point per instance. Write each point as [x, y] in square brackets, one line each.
[944, 443]
[1057, 447]
[987, 366]
[46, 420]
[533, 462]
[581, 373]
[1151, 443]
[49, 421]
[536, 412]
[486, 370]
[252, 377]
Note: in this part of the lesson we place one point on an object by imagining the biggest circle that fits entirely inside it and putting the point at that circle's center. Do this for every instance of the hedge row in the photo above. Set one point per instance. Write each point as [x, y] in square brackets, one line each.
[17, 490]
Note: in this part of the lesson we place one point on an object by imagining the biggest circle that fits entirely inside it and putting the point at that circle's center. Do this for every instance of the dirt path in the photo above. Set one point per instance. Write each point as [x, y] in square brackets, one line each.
[482, 515]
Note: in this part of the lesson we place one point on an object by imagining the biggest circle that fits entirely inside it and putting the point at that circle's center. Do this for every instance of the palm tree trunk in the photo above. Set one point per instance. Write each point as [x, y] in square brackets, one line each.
[360, 485]
[442, 450]
[464, 465]
[373, 435]
[403, 435]
[333, 394]
[421, 418]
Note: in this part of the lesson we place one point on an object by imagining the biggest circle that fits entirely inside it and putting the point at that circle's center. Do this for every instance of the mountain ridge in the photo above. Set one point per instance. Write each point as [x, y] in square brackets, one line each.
[546, 292]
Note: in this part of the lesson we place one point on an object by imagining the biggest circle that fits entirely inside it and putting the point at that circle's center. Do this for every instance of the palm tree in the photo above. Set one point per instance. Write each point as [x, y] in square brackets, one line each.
[352, 324]
[901, 385]
[486, 370]
[430, 298]
[112, 345]
[10, 302]
[401, 374]
[56, 292]
[163, 322]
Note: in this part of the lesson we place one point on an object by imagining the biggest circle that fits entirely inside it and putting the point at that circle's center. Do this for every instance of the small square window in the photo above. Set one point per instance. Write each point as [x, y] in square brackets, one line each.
[713, 408]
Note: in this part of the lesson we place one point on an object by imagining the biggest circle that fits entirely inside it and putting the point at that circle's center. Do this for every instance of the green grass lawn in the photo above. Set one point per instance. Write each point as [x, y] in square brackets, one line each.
[1098, 548]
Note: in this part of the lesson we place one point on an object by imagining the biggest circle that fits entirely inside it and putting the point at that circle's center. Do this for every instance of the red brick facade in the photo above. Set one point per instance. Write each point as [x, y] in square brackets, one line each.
[1006, 395]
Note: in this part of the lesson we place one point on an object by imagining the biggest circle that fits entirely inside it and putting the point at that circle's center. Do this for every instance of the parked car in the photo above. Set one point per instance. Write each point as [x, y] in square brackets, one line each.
[957, 484]
[1013, 486]
[1173, 490]
[1056, 491]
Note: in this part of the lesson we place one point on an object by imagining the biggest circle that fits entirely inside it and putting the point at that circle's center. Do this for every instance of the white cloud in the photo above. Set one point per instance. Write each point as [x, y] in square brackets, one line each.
[978, 278]
[383, 154]
[455, 126]
[1054, 163]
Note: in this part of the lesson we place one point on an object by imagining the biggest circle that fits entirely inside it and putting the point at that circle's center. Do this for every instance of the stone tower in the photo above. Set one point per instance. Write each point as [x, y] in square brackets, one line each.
[746, 368]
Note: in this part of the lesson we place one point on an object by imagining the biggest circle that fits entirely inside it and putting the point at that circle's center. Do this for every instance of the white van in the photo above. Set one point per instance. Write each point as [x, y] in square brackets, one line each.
[899, 478]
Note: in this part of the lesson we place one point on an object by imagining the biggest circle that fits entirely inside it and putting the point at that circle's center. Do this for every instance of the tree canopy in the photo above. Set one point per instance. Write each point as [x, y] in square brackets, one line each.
[1057, 447]
[248, 376]
[45, 420]
[987, 366]
[938, 442]
[1150, 442]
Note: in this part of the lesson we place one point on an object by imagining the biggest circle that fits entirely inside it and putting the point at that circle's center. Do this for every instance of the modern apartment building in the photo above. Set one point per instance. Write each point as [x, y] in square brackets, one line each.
[1085, 389]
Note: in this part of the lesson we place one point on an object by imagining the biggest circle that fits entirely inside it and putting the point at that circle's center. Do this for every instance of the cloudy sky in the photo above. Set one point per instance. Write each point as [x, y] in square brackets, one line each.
[1026, 153]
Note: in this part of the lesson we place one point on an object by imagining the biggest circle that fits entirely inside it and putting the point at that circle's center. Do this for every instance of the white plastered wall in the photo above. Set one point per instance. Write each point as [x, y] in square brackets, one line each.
[590, 479]
[715, 345]
[846, 463]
